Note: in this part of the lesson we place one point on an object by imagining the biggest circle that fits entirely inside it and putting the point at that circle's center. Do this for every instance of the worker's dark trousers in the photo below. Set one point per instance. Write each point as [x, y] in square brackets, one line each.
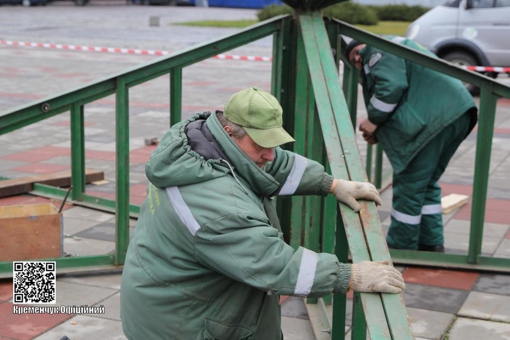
[416, 211]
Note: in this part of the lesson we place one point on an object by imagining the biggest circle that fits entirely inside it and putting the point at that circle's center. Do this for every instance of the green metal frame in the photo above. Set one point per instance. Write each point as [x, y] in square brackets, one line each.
[306, 54]
[118, 84]
[490, 90]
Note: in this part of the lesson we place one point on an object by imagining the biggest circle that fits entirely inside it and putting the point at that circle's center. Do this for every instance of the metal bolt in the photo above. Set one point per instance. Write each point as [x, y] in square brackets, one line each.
[45, 107]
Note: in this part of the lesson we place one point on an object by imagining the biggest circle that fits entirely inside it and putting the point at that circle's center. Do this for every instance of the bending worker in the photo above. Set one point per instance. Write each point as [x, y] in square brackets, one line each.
[420, 117]
[207, 259]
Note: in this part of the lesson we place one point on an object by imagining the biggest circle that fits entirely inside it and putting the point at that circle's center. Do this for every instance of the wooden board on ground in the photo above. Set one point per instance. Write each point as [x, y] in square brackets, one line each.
[452, 202]
[22, 185]
[31, 231]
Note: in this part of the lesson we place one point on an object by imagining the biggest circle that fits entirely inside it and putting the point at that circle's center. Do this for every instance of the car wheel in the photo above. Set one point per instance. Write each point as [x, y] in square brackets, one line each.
[464, 59]
[26, 3]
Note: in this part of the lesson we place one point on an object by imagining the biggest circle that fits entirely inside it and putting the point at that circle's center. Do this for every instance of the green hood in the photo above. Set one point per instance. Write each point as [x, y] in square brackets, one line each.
[175, 163]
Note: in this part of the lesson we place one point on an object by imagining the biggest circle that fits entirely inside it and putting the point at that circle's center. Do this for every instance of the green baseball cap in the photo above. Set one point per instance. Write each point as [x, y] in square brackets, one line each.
[260, 114]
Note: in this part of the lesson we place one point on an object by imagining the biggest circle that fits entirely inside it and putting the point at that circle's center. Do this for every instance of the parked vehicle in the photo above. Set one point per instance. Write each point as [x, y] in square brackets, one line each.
[162, 2]
[467, 32]
[26, 3]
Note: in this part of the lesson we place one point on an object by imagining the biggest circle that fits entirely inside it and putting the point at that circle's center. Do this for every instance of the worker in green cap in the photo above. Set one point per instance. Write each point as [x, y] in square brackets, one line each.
[420, 117]
[207, 259]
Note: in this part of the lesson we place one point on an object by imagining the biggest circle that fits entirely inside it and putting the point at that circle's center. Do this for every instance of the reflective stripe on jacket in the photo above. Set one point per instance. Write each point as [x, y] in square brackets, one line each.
[207, 259]
[409, 103]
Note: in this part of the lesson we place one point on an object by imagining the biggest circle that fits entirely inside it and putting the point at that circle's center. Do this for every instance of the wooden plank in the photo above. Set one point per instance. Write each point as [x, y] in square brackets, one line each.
[17, 186]
[452, 202]
[30, 232]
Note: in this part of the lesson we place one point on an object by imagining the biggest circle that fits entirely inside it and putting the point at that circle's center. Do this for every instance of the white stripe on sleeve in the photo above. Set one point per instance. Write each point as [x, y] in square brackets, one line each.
[306, 274]
[182, 210]
[294, 178]
[382, 106]
[398, 40]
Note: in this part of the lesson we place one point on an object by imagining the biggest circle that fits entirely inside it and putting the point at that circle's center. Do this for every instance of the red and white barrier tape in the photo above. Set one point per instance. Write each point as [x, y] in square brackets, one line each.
[487, 69]
[121, 50]
[219, 56]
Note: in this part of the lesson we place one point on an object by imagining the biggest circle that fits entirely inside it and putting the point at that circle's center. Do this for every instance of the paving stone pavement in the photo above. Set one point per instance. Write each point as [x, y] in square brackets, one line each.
[465, 305]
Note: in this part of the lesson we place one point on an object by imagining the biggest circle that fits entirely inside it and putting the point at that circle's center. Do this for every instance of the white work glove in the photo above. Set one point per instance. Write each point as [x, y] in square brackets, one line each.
[374, 277]
[348, 192]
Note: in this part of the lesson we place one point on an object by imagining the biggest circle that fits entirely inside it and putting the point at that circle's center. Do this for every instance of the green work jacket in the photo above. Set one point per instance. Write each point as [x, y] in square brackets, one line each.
[409, 103]
[207, 259]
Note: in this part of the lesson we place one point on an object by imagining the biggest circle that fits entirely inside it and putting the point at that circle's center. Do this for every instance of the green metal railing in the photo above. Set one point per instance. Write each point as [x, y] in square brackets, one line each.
[119, 84]
[490, 90]
[305, 80]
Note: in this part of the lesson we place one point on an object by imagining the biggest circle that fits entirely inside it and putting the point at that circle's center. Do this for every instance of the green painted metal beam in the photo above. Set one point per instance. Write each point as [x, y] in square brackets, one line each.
[19, 117]
[98, 203]
[482, 166]
[302, 105]
[422, 59]
[340, 142]
[69, 262]
[78, 180]
[442, 260]
[192, 55]
[175, 95]
[353, 229]
[122, 175]
[34, 112]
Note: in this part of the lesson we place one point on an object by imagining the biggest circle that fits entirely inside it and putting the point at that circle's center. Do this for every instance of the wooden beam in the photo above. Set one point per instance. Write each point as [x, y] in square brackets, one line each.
[22, 185]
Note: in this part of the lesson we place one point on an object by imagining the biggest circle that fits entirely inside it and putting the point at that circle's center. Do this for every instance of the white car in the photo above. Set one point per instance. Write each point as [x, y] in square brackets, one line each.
[466, 32]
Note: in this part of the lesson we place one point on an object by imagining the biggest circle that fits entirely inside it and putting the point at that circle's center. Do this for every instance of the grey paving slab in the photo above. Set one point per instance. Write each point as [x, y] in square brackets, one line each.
[138, 178]
[493, 284]
[15, 174]
[86, 246]
[75, 225]
[85, 327]
[73, 294]
[504, 249]
[6, 165]
[137, 168]
[100, 137]
[99, 164]
[434, 298]
[294, 307]
[449, 216]
[460, 243]
[383, 214]
[111, 308]
[103, 231]
[108, 187]
[486, 306]
[60, 160]
[88, 214]
[429, 324]
[297, 329]
[472, 329]
[108, 279]
[489, 229]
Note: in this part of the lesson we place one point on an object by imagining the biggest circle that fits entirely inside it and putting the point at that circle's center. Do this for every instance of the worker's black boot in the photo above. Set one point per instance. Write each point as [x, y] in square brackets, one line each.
[438, 248]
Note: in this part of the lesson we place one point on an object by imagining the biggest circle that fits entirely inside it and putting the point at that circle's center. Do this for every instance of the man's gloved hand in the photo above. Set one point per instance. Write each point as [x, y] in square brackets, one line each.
[373, 277]
[348, 192]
